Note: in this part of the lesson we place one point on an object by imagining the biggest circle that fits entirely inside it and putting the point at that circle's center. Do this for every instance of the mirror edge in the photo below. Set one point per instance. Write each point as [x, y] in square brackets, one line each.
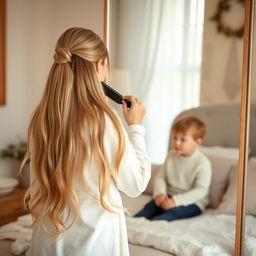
[106, 23]
[244, 126]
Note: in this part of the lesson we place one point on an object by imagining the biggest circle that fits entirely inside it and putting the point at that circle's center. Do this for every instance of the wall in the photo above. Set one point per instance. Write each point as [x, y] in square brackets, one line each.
[216, 57]
[32, 30]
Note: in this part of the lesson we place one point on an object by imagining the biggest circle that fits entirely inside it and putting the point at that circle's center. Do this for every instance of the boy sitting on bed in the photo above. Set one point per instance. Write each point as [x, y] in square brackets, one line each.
[181, 187]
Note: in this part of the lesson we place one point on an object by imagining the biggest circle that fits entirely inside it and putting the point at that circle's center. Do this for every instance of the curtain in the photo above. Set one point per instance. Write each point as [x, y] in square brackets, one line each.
[159, 42]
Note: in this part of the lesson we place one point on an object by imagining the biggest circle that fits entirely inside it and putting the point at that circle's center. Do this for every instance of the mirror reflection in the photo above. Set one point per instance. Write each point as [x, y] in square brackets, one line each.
[183, 58]
[156, 53]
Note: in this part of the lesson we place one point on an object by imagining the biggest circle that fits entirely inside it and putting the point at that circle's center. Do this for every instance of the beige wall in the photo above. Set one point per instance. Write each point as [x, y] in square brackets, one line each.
[216, 47]
[33, 27]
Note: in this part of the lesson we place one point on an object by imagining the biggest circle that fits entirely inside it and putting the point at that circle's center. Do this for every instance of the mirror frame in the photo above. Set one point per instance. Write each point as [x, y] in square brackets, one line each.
[106, 24]
[2, 52]
[244, 125]
[244, 115]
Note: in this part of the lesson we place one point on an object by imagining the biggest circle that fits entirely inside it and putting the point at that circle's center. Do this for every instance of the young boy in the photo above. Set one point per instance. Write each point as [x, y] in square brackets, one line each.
[181, 187]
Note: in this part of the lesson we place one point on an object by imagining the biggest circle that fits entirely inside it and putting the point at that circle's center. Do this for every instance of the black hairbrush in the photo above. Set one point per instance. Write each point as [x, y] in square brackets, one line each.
[114, 95]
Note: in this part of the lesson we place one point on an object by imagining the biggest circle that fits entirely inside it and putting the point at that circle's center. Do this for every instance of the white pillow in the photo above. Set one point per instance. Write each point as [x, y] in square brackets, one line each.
[226, 152]
[228, 204]
[222, 160]
[221, 171]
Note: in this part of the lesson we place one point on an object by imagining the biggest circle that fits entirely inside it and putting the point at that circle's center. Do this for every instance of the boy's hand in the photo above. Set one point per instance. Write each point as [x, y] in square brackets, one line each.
[159, 199]
[167, 204]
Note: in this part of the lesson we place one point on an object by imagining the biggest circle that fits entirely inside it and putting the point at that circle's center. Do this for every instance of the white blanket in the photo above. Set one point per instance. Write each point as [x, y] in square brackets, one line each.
[20, 232]
[206, 235]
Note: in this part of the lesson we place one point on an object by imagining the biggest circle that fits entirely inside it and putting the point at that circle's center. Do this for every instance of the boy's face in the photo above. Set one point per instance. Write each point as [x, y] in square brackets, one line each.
[184, 143]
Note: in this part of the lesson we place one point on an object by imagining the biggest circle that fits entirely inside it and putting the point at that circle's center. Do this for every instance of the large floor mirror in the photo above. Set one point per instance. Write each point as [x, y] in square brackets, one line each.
[192, 57]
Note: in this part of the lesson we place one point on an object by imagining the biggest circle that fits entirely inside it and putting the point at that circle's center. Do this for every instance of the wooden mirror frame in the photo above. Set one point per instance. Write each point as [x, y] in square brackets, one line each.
[244, 115]
[106, 22]
[244, 125]
[2, 51]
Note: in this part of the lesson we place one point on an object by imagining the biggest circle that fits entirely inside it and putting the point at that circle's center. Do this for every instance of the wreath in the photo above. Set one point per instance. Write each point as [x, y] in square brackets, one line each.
[224, 6]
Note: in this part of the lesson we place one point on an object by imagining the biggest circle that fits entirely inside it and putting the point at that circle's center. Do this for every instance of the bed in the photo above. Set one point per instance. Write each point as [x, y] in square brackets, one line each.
[215, 229]
[213, 232]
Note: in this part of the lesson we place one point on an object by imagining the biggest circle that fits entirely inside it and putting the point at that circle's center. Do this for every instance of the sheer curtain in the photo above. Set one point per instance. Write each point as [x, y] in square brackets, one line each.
[159, 42]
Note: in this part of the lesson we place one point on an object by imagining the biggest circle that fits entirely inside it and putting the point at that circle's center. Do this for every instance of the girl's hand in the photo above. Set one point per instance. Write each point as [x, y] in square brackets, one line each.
[136, 113]
[159, 199]
[167, 204]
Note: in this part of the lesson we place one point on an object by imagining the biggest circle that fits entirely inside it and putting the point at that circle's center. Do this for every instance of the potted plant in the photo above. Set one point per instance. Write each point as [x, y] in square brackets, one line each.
[17, 152]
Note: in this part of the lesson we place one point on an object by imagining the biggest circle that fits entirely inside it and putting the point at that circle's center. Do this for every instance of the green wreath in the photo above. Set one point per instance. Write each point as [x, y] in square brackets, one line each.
[224, 6]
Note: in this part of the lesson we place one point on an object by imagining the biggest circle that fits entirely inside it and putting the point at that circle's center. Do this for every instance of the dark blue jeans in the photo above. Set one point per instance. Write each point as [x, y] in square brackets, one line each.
[152, 212]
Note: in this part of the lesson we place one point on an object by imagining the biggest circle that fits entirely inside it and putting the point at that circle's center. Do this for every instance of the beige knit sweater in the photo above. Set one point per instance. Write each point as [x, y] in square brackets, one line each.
[186, 178]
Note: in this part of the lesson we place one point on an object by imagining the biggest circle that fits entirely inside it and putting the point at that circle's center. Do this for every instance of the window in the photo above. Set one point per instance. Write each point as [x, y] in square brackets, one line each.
[159, 43]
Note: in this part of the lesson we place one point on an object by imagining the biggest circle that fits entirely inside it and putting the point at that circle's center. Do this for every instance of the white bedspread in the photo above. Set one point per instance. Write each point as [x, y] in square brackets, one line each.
[206, 235]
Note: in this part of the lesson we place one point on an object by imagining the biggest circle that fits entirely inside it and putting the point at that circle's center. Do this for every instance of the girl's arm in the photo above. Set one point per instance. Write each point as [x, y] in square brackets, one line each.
[135, 169]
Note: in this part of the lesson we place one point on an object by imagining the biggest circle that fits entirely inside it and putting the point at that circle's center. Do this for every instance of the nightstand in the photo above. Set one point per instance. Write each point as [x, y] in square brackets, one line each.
[12, 205]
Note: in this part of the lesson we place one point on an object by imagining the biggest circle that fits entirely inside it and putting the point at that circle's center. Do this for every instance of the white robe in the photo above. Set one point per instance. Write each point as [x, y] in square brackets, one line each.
[98, 232]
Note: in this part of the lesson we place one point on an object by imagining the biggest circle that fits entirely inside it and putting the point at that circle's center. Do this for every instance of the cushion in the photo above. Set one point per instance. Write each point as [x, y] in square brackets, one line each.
[220, 151]
[221, 170]
[222, 160]
[228, 204]
[154, 170]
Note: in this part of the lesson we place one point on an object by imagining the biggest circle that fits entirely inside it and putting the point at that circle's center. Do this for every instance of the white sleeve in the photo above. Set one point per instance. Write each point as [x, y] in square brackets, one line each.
[135, 168]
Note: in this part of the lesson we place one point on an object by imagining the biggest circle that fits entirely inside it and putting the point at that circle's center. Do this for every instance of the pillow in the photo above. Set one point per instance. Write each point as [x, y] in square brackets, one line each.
[222, 160]
[220, 151]
[228, 204]
[221, 170]
[154, 170]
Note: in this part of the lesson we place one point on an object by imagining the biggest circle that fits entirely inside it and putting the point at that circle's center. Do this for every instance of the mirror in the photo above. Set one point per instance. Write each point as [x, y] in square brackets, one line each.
[2, 52]
[205, 67]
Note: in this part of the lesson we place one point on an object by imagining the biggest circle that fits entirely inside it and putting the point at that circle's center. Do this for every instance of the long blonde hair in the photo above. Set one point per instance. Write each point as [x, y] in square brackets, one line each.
[67, 127]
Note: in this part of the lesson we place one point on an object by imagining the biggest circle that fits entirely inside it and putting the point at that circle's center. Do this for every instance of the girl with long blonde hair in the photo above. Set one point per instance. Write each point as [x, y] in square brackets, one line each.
[81, 156]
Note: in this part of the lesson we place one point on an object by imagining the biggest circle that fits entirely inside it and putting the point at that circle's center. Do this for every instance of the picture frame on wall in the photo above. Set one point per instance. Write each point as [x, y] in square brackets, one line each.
[2, 52]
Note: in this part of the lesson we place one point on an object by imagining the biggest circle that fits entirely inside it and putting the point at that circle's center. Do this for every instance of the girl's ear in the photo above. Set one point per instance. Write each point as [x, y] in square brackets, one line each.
[98, 66]
[199, 141]
[101, 69]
